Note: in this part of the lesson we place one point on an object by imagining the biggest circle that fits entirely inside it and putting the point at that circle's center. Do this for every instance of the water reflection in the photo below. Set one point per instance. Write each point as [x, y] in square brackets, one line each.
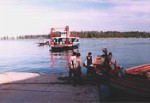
[61, 59]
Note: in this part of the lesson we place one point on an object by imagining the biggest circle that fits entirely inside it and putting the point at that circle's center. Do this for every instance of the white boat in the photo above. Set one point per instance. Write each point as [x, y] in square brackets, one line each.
[64, 41]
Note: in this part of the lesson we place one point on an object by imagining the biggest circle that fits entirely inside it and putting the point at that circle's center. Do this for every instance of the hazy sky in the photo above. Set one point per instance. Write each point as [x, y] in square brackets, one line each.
[22, 17]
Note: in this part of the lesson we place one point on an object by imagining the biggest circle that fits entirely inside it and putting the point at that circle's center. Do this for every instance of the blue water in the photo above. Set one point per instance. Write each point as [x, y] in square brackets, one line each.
[27, 56]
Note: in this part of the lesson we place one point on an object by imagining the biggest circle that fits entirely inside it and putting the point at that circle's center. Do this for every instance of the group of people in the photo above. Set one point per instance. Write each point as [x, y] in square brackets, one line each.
[103, 63]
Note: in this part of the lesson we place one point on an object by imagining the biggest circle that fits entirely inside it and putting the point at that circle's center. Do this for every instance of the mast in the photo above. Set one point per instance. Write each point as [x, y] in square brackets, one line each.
[51, 35]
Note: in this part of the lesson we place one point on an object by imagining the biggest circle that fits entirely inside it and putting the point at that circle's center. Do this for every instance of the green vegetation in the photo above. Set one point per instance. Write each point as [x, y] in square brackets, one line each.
[91, 34]
[112, 34]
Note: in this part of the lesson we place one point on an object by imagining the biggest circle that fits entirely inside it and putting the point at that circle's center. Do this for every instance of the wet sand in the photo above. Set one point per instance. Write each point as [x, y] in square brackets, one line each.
[18, 87]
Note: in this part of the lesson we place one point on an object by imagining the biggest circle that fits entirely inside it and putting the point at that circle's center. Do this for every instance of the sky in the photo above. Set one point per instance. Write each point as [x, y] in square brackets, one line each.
[26, 17]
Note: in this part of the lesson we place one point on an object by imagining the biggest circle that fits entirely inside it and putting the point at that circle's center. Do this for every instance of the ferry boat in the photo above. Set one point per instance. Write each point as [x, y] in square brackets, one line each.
[64, 41]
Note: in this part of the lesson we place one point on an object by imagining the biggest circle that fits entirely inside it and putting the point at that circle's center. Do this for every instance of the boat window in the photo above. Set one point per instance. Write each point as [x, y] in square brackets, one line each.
[77, 40]
[60, 39]
[63, 39]
[72, 39]
[63, 32]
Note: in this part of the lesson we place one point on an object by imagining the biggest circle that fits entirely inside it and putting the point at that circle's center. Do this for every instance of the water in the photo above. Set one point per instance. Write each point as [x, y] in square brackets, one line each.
[27, 56]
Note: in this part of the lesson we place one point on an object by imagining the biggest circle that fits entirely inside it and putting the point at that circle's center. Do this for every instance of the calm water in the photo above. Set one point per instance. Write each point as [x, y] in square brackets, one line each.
[27, 56]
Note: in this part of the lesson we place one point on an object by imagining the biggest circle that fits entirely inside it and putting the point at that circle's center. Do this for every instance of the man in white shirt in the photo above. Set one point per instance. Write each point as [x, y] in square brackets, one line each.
[72, 65]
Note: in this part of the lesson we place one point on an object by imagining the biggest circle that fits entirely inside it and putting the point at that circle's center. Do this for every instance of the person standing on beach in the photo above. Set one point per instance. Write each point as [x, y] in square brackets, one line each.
[72, 65]
[75, 68]
[78, 71]
[89, 65]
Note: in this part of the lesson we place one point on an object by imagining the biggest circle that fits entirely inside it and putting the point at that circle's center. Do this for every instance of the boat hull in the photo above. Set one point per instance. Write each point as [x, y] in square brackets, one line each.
[142, 70]
[131, 86]
[63, 48]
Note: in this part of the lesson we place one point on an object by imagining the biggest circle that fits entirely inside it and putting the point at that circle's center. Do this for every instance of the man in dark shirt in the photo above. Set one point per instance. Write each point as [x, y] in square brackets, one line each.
[89, 65]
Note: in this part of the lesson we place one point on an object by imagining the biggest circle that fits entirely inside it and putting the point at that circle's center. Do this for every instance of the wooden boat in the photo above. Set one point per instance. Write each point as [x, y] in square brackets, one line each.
[43, 43]
[64, 41]
[133, 85]
[142, 70]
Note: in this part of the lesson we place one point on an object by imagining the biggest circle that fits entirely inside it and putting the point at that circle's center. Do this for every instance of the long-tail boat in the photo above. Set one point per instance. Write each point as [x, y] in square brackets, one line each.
[133, 85]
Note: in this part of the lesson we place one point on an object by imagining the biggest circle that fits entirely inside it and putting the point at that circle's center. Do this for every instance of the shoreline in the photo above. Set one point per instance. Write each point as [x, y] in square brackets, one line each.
[43, 88]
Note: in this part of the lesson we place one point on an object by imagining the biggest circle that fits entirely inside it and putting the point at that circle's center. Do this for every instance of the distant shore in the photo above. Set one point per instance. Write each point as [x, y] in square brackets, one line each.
[87, 34]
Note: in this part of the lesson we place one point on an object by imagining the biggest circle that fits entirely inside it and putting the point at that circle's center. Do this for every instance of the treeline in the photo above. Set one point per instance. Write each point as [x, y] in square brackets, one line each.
[33, 36]
[26, 37]
[112, 34]
[90, 34]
